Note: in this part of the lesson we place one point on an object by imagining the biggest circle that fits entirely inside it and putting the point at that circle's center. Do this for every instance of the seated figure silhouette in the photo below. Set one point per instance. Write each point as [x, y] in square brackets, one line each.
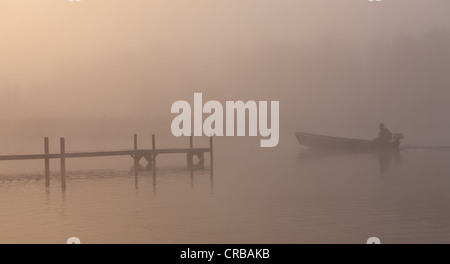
[384, 135]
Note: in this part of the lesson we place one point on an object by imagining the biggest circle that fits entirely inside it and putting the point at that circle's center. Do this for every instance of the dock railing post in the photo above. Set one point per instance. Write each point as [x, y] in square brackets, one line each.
[63, 163]
[47, 162]
[211, 156]
[154, 153]
[135, 157]
[190, 155]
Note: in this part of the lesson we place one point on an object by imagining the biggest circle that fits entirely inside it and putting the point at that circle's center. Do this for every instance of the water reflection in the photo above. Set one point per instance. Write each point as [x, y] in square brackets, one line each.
[386, 159]
[154, 181]
[26, 178]
[155, 173]
[331, 197]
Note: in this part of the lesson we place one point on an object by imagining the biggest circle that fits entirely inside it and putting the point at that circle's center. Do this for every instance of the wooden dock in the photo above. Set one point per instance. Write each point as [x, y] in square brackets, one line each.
[137, 154]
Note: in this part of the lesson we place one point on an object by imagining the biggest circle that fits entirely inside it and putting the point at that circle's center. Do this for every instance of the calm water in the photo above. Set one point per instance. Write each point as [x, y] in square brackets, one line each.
[282, 195]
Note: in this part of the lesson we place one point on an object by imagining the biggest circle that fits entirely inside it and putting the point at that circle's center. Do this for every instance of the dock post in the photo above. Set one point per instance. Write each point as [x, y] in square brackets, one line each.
[211, 160]
[154, 153]
[135, 157]
[63, 163]
[47, 162]
[190, 154]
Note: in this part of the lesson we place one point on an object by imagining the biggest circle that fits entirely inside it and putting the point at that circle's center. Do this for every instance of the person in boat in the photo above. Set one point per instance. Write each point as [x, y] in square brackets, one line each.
[384, 135]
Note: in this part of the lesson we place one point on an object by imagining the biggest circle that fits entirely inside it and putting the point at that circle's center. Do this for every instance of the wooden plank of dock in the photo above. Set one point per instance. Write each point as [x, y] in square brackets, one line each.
[104, 153]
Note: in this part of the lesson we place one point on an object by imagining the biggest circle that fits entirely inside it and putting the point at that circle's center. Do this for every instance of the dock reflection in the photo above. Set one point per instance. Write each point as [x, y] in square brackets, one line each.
[191, 173]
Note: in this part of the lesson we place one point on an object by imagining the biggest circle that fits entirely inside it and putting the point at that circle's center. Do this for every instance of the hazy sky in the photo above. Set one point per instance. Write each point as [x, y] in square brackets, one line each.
[122, 58]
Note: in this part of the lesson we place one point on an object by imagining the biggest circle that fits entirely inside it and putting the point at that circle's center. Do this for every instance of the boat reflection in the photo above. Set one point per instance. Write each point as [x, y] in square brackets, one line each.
[386, 158]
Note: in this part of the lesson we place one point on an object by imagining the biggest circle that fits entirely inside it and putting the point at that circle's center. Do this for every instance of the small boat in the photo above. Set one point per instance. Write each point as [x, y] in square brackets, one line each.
[327, 142]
